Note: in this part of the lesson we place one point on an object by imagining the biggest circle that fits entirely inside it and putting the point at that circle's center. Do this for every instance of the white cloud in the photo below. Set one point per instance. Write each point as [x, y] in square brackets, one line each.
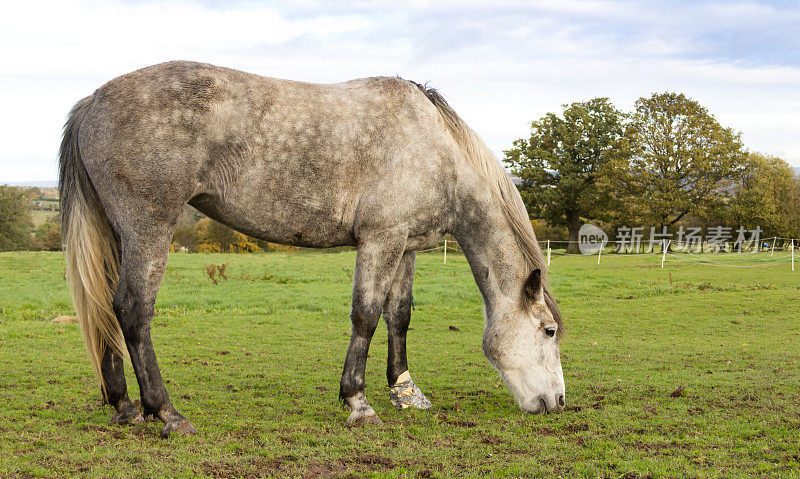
[501, 64]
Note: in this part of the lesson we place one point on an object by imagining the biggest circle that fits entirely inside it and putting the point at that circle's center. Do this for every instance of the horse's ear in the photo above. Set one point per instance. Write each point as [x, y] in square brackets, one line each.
[533, 286]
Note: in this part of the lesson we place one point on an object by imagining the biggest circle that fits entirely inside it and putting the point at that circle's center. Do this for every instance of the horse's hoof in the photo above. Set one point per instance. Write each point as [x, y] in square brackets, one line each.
[406, 394]
[358, 420]
[128, 416]
[124, 420]
[181, 426]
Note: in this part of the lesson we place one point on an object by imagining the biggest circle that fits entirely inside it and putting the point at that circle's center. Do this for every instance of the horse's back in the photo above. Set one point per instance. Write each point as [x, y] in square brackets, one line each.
[286, 161]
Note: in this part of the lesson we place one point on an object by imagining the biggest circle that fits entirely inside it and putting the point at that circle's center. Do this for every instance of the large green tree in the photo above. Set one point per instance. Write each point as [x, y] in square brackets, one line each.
[15, 219]
[560, 163]
[768, 196]
[683, 161]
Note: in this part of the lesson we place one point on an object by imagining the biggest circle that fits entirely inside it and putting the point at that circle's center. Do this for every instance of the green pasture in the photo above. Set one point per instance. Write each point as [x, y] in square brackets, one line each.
[687, 371]
[39, 217]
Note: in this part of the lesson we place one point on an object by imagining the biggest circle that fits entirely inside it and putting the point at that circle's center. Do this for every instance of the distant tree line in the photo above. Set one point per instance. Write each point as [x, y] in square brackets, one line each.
[195, 233]
[667, 163]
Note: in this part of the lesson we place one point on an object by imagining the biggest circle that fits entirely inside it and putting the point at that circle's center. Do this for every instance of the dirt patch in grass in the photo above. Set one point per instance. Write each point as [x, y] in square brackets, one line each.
[635, 475]
[456, 422]
[289, 466]
[678, 393]
[103, 431]
[365, 462]
[323, 470]
[572, 428]
[372, 460]
[251, 468]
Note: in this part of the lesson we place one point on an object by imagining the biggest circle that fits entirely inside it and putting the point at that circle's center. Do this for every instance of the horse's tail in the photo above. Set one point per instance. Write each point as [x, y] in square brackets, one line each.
[90, 246]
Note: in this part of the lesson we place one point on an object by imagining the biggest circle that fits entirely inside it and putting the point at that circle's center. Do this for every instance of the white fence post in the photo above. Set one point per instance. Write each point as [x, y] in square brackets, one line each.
[445, 250]
[548, 252]
[772, 253]
[792, 255]
[664, 245]
[600, 251]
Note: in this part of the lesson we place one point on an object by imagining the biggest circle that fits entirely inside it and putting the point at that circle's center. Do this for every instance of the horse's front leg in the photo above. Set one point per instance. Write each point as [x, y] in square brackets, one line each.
[376, 265]
[397, 313]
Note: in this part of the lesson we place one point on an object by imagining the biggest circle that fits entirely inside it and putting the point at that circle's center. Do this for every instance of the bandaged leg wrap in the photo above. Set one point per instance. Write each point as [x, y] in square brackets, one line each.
[404, 393]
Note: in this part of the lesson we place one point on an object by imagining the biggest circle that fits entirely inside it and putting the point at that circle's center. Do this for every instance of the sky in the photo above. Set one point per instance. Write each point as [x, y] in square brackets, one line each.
[501, 64]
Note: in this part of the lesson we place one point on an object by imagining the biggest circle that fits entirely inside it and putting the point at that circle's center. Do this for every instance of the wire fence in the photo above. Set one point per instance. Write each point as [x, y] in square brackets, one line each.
[768, 252]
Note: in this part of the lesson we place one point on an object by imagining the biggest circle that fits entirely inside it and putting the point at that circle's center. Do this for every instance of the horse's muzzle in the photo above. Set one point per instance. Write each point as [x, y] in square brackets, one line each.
[544, 404]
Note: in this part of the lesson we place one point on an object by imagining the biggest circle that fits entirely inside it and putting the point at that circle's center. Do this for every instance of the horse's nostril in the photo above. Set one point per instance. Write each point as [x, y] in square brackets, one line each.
[544, 405]
[561, 400]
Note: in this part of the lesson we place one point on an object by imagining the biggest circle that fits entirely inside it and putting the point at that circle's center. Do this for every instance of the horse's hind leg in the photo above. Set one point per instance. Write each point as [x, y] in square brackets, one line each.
[116, 392]
[397, 314]
[143, 261]
[376, 264]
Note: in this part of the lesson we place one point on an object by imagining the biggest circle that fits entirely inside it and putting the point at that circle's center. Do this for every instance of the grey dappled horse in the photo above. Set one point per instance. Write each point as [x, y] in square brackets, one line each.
[382, 164]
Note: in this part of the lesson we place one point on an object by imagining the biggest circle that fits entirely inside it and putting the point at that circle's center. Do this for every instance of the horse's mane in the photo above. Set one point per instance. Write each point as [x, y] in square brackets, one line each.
[502, 187]
[487, 165]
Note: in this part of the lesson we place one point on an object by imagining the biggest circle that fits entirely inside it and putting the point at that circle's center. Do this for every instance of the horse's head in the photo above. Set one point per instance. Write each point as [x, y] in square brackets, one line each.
[521, 341]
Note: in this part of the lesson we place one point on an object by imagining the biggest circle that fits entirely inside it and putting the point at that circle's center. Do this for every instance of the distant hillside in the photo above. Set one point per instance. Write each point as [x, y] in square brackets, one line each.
[38, 184]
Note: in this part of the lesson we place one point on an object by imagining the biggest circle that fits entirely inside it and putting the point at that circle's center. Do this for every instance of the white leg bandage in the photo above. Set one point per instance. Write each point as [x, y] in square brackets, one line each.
[404, 393]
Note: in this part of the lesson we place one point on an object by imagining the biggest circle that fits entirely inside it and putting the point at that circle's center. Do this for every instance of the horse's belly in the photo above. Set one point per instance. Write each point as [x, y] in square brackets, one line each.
[294, 221]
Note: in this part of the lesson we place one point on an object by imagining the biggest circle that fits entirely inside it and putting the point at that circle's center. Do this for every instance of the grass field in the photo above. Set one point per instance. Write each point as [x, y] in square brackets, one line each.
[254, 363]
[39, 217]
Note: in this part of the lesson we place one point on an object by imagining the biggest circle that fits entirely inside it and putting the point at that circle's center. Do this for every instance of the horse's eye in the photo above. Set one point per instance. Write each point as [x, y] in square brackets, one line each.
[550, 332]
